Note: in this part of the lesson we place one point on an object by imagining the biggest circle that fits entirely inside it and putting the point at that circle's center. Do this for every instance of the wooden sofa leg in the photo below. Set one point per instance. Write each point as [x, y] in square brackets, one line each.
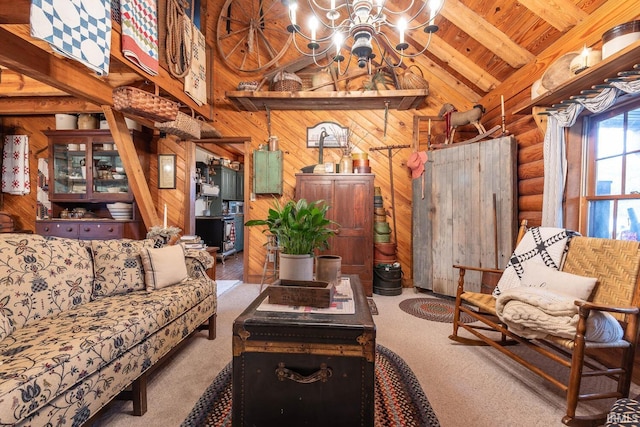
[139, 395]
[212, 327]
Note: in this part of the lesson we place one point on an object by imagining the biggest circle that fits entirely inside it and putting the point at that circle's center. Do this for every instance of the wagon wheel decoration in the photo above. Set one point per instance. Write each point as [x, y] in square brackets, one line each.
[250, 34]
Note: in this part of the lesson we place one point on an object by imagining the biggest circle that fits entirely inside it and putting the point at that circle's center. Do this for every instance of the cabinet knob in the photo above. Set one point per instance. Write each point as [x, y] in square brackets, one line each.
[87, 229]
[47, 229]
[69, 229]
[110, 230]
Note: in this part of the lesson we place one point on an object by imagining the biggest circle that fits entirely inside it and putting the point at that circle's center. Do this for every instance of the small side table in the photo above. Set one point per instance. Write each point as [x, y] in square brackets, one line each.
[212, 271]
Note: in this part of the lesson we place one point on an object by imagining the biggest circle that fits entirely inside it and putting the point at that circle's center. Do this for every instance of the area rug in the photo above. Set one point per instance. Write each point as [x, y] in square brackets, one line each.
[399, 399]
[434, 309]
[225, 285]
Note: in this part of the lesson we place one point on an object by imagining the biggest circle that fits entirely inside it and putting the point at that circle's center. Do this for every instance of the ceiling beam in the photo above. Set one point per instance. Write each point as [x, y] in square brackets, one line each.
[486, 34]
[14, 11]
[561, 14]
[36, 105]
[456, 60]
[16, 84]
[21, 56]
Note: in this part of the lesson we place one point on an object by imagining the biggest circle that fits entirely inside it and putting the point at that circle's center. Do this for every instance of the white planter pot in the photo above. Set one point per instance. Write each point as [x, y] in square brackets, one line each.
[296, 267]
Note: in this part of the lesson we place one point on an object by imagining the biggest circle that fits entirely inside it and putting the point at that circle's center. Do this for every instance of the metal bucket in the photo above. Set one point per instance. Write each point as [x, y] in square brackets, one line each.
[387, 279]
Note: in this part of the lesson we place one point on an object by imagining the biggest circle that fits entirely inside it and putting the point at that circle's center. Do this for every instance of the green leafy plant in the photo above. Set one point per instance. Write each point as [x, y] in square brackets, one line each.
[300, 227]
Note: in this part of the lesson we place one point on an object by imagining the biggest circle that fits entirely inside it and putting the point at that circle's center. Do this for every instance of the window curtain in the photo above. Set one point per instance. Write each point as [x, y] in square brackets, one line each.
[555, 158]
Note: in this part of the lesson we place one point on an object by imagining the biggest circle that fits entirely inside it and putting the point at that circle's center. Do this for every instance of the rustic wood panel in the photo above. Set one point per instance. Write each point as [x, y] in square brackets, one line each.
[470, 208]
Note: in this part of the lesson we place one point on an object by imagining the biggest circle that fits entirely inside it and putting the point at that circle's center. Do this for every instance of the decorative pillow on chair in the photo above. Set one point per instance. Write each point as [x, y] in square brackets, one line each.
[117, 266]
[163, 266]
[558, 282]
[540, 245]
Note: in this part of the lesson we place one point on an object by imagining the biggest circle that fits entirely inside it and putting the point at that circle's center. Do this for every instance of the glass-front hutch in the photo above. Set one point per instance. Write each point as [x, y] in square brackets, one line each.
[86, 174]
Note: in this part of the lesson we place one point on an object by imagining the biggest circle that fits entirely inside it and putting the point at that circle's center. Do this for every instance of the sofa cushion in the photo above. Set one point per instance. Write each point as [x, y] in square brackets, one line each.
[163, 266]
[117, 265]
[42, 360]
[42, 276]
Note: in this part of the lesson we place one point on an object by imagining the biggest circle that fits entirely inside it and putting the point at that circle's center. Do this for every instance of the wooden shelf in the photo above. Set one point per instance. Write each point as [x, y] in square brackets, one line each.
[341, 100]
[625, 60]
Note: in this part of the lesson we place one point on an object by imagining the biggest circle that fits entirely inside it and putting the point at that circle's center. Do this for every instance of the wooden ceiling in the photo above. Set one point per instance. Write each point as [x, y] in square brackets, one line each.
[480, 45]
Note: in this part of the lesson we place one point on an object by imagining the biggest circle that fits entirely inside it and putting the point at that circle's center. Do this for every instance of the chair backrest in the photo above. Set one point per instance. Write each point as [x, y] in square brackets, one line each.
[616, 265]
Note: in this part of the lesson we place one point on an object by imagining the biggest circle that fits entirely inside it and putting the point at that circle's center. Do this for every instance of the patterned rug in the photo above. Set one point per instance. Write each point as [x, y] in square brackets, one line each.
[399, 399]
[434, 309]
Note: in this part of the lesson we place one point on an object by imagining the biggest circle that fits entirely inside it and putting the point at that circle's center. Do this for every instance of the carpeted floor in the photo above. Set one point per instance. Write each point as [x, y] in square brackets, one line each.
[434, 309]
[399, 399]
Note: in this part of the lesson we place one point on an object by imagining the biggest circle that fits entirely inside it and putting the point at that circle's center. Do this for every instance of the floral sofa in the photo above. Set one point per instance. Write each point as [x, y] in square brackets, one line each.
[83, 321]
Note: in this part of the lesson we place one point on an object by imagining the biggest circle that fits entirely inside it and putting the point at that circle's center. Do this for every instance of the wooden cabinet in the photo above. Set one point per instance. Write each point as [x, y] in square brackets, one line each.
[240, 185]
[225, 178]
[86, 171]
[351, 199]
[239, 227]
[267, 172]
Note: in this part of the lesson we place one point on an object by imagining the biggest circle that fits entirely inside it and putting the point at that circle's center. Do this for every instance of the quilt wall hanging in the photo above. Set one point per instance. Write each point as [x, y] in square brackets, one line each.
[78, 29]
[140, 33]
[15, 165]
[195, 82]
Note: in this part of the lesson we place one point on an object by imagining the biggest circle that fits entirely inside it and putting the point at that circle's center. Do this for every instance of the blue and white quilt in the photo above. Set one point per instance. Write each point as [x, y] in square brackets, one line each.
[78, 29]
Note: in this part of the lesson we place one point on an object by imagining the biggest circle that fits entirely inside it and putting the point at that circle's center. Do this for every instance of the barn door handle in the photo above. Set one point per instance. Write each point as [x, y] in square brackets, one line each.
[322, 374]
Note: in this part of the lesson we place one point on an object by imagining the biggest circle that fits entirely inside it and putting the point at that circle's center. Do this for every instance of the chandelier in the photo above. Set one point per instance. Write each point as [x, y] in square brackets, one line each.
[367, 23]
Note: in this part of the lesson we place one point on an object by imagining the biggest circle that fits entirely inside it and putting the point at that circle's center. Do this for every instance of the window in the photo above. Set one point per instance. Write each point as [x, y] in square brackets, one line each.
[612, 185]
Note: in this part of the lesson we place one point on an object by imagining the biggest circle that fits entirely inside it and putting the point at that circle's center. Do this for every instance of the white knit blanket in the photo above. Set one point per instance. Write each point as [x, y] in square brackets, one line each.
[536, 312]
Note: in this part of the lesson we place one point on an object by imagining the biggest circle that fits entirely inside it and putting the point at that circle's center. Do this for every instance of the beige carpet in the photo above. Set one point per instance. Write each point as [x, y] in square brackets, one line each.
[473, 386]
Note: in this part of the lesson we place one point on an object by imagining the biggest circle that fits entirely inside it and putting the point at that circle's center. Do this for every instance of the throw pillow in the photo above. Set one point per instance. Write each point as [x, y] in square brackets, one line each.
[540, 245]
[559, 282]
[117, 266]
[603, 327]
[163, 266]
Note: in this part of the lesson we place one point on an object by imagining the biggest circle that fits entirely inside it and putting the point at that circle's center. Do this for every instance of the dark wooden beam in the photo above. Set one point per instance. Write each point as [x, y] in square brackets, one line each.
[14, 11]
[21, 56]
[132, 166]
[38, 105]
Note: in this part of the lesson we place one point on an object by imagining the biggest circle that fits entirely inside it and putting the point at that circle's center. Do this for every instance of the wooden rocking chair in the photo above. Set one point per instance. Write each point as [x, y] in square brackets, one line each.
[615, 264]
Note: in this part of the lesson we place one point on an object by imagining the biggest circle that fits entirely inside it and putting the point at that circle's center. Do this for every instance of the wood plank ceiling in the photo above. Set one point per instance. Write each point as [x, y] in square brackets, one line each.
[480, 44]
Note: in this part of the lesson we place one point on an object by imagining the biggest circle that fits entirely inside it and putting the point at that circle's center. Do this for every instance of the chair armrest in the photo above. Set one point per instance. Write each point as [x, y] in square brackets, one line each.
[483, 269]
[605, 307]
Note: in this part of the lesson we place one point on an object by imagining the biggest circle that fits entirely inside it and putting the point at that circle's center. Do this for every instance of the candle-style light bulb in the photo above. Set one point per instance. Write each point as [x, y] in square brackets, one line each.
[402, 27]
[313, 26]
[434, 6]
[292, 12]
[379, 5]
[333, 5]
[337, 39]
[585, 55]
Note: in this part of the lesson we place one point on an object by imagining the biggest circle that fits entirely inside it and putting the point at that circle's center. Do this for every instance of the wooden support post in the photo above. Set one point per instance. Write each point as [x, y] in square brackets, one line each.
[129, 156]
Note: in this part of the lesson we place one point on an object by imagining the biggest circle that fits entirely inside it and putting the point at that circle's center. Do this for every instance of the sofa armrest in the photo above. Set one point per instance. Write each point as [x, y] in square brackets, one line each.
[198, 262]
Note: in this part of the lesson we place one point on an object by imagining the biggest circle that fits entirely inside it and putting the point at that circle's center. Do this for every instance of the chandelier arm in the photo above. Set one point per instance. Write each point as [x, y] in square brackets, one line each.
[312, 54]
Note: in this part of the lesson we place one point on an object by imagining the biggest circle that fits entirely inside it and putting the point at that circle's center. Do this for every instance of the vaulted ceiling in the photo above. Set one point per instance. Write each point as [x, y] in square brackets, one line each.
[481, 45]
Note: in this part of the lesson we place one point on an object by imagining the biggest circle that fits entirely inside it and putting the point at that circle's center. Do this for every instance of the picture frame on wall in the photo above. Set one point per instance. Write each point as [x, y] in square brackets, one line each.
[166, 171]
[330, 130]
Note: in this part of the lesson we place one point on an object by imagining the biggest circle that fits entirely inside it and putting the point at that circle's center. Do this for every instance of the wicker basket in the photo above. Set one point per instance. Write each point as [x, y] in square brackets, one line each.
[286, 82]
[144, 104]
[410, 80]
[207, 130]
[184, 126]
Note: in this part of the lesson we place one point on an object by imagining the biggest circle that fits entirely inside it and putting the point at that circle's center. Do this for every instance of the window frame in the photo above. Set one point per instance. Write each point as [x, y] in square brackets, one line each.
[589, 172]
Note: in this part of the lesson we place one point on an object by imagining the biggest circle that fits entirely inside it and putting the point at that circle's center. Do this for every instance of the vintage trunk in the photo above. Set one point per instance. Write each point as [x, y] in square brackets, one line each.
[304, 368]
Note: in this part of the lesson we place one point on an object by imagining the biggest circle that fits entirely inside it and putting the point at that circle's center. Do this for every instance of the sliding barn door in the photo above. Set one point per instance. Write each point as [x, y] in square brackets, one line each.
[468, 215]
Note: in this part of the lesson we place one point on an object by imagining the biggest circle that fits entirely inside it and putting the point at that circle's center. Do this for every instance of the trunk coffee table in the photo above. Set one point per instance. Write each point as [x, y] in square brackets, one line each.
[297, 366]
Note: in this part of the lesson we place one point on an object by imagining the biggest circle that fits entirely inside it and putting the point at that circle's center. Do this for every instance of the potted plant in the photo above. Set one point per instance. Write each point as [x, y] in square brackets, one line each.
[300, 228]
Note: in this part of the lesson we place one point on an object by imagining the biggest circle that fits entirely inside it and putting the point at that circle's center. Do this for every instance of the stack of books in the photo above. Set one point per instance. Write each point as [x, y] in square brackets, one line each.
[192, 242]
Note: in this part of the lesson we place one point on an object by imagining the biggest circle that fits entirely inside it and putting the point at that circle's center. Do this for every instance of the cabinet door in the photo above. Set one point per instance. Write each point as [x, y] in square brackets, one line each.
[229, 183]
[267, 172]
[68, 169]
[351, 201]
[240, 185]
